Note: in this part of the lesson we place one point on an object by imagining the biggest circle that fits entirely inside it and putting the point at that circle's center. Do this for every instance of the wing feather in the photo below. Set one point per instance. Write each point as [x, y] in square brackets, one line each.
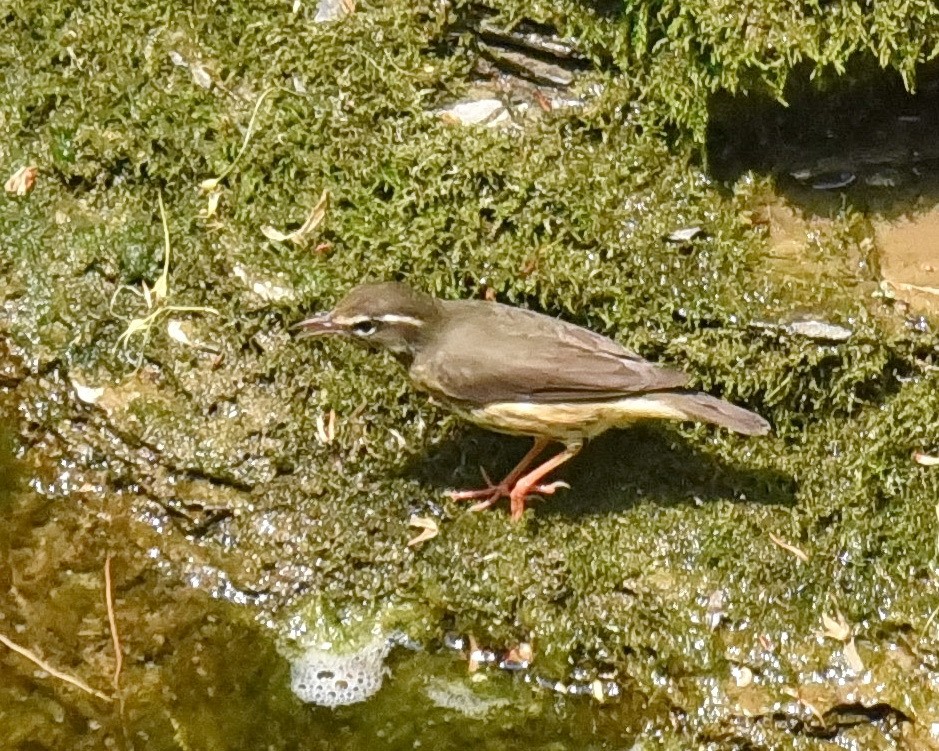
[489, 353]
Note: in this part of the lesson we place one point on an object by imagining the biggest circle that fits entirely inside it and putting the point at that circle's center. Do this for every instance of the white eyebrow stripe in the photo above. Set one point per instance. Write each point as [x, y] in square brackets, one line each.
[393, 318]
[386, 318]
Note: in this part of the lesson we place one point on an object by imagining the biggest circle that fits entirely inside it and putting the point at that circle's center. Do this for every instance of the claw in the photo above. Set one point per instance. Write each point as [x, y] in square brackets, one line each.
[471, 495]
[549, 488]
[516, 487]
[483, 505]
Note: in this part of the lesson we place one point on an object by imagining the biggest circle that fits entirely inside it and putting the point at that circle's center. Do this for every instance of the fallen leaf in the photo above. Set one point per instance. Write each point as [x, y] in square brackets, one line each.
[174, 330]
[326, 432]
[805, 703]
[209, 211]
[473, 652]
[299, 236]
[22, 181]
[743, 676]
[486, 112]
[801, 555]
[715, 609]
[427, 526]
[852, 657]
[200, 76]
[927, 460]
[87, 394]
[274, 234]
[683, 235]
[836, 627]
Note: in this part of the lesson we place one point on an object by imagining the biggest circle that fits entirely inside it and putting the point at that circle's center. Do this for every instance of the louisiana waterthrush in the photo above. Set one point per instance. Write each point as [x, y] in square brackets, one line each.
[516, 371]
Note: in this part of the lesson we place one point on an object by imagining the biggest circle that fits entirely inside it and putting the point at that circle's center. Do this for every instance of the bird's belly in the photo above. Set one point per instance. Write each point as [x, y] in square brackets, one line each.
[569, 421]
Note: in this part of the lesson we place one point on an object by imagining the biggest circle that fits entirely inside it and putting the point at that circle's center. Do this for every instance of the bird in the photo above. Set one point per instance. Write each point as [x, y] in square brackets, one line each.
[516, 371]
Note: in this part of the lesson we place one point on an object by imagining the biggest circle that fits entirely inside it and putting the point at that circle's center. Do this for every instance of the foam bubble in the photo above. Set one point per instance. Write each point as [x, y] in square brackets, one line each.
[332, 679]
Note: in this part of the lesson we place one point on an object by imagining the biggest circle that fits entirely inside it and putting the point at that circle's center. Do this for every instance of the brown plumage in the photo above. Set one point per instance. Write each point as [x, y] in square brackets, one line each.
[521, 372]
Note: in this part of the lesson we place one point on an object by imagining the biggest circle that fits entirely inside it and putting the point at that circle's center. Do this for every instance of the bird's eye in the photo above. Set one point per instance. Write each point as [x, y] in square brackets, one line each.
[364, 328]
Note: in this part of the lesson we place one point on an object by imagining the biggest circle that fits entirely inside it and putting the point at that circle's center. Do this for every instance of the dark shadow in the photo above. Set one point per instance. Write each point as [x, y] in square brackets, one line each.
[859, 136]
[643, 463]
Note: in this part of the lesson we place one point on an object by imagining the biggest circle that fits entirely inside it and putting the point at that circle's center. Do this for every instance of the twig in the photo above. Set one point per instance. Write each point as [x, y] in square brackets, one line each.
[118, 654]
[212, 182]
[906, 287]
[797, 552]
[45, 666]
[112, 622]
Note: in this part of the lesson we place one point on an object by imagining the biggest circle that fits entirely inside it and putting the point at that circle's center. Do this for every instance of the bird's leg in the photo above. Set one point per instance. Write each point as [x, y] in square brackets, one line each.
[492, 493]
[528, 485]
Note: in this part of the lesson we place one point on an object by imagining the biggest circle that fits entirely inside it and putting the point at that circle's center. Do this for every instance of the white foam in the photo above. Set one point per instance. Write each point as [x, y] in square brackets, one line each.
[332, 679]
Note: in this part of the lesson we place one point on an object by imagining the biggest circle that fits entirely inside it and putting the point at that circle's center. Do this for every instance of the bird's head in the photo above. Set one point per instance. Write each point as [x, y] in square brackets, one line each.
[389, 315]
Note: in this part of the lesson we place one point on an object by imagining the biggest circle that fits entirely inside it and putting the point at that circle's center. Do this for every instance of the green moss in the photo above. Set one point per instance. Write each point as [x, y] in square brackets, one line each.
[567, 216]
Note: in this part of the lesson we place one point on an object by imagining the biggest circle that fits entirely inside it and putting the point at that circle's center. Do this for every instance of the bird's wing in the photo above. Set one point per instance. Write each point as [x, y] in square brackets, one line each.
[494, 353]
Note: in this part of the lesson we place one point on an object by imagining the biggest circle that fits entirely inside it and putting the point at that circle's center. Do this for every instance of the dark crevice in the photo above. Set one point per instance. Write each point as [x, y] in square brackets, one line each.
[861, 134]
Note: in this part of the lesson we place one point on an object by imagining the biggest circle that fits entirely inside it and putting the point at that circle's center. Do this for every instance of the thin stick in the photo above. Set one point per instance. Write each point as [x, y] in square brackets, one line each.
[211, 183]
[112, 622]
[43, 665]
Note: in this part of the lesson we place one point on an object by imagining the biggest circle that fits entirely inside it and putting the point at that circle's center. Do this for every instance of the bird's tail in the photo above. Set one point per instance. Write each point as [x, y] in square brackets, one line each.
[702, 407]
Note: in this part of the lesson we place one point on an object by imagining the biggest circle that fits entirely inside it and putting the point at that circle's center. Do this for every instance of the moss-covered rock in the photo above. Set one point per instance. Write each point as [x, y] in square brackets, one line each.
[659, 563]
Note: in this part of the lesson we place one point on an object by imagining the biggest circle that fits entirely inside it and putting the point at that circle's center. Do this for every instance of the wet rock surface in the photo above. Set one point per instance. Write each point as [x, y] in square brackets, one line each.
[691, 589]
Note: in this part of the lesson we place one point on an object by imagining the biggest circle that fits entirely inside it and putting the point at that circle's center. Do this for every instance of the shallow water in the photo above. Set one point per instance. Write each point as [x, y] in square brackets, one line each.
[692, 589]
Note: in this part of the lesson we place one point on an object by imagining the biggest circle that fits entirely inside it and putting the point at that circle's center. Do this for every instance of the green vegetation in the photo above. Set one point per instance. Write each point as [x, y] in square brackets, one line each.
[569, 215]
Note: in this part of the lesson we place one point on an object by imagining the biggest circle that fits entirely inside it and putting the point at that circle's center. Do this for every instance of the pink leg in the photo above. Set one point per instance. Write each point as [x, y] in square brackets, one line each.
[492, 493]
[528, 485]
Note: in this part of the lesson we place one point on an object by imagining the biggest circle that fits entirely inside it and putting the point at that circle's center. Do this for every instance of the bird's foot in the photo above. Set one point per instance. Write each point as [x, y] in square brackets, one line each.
[488, 495]
[520, 493]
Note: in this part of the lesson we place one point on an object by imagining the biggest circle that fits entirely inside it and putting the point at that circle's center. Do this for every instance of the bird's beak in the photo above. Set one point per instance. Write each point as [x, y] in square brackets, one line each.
[321, 324]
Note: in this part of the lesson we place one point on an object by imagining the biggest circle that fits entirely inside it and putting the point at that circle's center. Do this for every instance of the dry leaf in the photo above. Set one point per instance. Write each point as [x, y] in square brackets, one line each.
[836, 628]
[473, 653]
[427, 526]
[800, 554]
[87, 394]
[852, 657]
[22, 181]
[200, 76]
[274, 234]
[209, 211]
[326, 432]
[683, 235]
[174, 330]
[317, 214]
[927, 460]
[743, 676]
[805, 703]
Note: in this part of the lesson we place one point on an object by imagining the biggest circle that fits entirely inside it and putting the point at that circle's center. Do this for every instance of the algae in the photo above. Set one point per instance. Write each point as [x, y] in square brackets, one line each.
[656, 567]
